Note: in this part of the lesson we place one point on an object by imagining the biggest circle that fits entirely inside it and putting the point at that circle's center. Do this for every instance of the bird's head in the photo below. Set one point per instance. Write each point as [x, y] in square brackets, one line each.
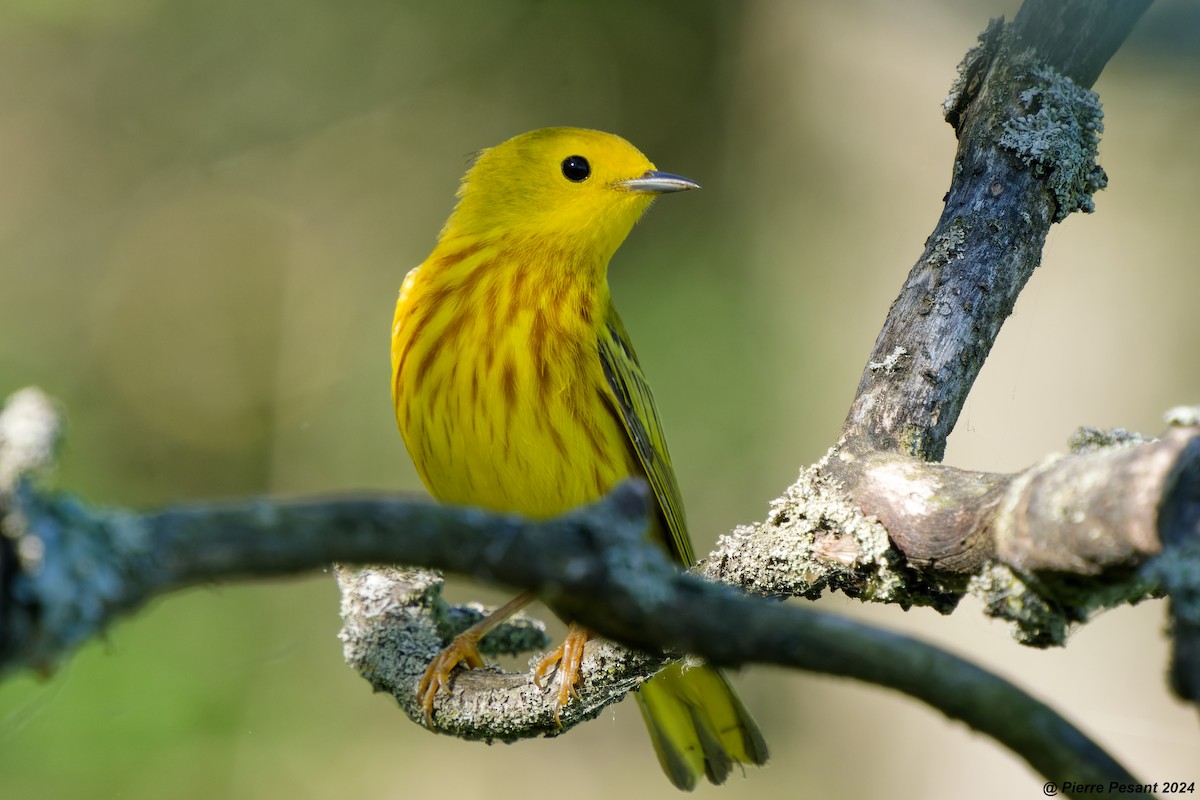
[577, 187]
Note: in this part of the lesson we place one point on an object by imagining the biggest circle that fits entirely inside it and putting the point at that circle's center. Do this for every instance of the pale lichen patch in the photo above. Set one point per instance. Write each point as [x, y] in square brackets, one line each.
[1058, 139]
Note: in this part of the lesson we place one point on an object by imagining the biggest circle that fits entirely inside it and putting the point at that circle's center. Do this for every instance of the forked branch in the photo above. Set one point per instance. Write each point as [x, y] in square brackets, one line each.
[877, 518]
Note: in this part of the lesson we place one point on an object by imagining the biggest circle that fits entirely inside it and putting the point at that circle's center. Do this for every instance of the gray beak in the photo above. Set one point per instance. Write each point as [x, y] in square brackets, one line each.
[659, 182]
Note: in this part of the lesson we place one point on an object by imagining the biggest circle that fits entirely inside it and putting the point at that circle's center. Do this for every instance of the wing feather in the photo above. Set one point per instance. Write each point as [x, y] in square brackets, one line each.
[634, 405]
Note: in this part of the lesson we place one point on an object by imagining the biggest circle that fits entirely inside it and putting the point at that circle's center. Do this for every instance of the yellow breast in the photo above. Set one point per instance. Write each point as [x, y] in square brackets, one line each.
[497, 384]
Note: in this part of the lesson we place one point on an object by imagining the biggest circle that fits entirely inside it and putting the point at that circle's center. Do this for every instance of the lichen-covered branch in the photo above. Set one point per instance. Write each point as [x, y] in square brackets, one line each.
[693, 616]
[80, 567]
[1044, 549]
[392, 627]
[1028, 127]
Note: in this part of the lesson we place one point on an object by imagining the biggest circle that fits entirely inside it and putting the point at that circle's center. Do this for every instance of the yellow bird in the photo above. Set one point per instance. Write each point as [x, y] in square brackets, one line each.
[516, 389]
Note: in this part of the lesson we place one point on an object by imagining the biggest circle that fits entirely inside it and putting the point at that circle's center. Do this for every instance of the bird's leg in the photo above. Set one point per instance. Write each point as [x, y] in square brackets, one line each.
[566, 659]
[463, 647]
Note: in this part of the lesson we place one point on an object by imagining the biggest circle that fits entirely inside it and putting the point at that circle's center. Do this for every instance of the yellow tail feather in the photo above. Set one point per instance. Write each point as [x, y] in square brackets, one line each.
[697, 725]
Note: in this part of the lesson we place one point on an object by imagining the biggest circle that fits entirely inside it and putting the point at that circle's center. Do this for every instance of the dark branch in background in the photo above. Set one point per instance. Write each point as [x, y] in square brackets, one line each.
[1028, 129]
[1116, 521]
[594, 563]
[1077, 38]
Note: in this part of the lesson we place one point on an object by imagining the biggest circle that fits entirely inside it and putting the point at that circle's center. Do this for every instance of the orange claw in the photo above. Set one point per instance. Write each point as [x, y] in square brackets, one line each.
[437, 675]
[565, 660]
[463, 648]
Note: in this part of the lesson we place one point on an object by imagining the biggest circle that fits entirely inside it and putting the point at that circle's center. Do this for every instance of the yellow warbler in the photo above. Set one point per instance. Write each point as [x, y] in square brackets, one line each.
[516, 389]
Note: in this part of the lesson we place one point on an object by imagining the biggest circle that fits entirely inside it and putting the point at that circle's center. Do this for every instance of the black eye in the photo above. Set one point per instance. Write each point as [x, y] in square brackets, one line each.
[576, 168]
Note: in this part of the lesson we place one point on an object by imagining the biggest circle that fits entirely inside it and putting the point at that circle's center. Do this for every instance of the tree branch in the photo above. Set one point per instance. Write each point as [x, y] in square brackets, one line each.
[594, 564]
[1028, 128]
[1044, 547]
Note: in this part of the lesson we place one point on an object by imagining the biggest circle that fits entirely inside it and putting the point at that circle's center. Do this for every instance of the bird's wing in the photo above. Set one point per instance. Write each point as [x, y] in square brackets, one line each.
[634, 405]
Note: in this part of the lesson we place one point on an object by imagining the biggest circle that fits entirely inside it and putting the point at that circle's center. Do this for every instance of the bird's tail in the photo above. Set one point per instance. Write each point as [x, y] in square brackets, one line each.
[698, 725]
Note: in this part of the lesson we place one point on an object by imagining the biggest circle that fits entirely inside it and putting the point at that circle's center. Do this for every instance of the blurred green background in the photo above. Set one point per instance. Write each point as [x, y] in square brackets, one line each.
[206, 210]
